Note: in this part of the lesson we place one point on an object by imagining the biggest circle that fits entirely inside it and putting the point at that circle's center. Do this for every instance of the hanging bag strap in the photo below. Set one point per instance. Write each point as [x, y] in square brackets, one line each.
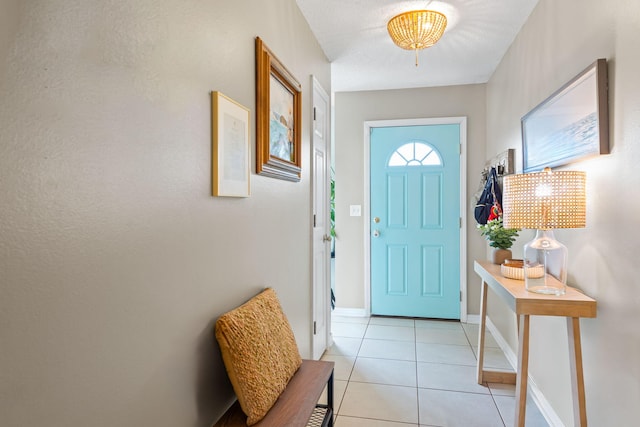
[482, 209]
[496, 207]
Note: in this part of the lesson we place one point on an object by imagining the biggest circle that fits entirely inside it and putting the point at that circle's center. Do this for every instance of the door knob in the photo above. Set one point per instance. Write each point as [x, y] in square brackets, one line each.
[376, 219]
[326, 238]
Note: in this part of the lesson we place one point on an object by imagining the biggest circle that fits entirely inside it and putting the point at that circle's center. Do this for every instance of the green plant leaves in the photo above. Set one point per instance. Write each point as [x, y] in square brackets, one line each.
[498, 236]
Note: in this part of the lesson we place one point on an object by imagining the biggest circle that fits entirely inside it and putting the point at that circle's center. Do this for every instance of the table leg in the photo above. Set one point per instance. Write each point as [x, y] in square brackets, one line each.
[577, 378]
[330, 399]
[522, 375]
[481, 329]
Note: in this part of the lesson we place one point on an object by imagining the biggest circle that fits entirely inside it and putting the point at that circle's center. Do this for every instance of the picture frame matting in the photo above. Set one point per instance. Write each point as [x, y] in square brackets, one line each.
[231, 168]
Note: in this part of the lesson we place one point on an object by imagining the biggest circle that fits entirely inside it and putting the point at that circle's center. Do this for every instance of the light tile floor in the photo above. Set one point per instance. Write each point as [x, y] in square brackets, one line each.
[397, 372]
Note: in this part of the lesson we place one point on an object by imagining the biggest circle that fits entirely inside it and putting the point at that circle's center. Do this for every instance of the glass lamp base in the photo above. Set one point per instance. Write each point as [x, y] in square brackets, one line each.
[545, 264]
[547, 290]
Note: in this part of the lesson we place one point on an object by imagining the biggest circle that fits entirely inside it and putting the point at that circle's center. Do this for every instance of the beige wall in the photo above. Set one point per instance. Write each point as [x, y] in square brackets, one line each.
[352, 109]
[560, 39]
[8, 26]
[114, 258]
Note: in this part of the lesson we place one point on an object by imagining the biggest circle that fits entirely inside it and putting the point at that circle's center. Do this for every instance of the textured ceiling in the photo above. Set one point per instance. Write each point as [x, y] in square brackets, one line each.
[353, 35]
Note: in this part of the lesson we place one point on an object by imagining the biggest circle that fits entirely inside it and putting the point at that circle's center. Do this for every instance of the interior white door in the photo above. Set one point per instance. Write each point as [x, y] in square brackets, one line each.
[320, 138]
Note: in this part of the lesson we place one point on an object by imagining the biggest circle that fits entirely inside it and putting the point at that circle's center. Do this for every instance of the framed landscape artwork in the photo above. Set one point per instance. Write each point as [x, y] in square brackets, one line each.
[278, 118]
[570, 125]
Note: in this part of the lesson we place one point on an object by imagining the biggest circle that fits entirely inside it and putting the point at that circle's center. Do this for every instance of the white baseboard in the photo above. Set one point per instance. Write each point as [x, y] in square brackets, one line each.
[349, 312]
[547, 411]
[473, 319]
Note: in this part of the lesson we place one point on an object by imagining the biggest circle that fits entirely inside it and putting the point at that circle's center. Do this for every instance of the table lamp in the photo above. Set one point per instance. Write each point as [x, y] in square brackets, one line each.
[545, 201]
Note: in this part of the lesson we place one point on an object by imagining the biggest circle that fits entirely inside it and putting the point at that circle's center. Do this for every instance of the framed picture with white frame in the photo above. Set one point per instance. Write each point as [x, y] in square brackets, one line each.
[230, 167]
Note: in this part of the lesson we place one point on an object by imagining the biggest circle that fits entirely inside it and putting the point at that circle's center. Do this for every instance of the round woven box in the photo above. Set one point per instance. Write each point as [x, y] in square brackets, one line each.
[513, 269]
[512, 272]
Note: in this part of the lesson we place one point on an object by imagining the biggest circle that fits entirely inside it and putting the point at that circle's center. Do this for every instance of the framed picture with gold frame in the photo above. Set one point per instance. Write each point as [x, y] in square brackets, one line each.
[278, 118]
[230, 168]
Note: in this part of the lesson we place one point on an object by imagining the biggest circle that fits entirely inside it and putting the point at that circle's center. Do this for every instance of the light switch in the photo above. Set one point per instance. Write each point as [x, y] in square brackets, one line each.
[355, 210]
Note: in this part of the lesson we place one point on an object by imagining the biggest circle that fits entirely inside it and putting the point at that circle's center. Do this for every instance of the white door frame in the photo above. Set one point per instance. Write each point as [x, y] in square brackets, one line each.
[368, 125]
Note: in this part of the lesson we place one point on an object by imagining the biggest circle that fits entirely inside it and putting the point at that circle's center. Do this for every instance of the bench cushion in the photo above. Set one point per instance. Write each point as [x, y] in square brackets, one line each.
[259, 352]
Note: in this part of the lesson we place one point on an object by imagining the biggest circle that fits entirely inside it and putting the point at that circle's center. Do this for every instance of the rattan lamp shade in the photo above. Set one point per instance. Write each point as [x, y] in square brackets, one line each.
[417, 29]
[545, 200]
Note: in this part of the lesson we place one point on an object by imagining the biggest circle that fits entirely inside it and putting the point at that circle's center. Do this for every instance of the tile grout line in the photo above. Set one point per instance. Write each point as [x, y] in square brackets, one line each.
[495, 404]
[493, 399]
[352, 369]
[415, 350]
[358, 356]
[355, 360]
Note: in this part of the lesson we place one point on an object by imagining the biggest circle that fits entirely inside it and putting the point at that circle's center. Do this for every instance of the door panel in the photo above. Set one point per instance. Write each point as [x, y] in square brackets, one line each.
[432, 280]
[415, 246]
[431, 191]
[397, 206]
[321, 275]
[397, 270]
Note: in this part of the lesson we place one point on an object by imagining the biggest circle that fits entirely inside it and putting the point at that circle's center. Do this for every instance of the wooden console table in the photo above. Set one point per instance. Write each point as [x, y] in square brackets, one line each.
[573, 305]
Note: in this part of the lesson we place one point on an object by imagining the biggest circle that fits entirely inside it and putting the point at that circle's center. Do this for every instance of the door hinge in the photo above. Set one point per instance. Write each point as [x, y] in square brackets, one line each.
[314, 113]
[460, 222]
[314, 220]
[314, 326]
[460, 297]
[460, 149]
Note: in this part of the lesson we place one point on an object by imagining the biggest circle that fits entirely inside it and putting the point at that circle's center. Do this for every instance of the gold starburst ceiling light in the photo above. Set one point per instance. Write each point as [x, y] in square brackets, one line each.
[417, 29]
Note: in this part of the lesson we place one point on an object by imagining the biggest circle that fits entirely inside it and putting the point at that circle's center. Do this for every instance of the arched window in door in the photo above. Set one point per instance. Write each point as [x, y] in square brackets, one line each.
[415, 154]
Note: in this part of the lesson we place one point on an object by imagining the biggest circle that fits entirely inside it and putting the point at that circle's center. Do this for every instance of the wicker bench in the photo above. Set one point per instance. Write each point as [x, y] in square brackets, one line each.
[298, 404]
[275, 387]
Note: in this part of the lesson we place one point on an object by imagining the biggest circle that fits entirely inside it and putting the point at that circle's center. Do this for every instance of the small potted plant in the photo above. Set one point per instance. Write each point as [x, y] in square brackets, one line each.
[500, 239]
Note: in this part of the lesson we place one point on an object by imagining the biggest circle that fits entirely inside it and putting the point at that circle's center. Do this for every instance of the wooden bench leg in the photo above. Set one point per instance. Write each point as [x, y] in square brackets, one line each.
[330, 399]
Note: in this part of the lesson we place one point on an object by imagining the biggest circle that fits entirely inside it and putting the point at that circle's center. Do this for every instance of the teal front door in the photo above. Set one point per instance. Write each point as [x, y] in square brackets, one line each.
[415, 221]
